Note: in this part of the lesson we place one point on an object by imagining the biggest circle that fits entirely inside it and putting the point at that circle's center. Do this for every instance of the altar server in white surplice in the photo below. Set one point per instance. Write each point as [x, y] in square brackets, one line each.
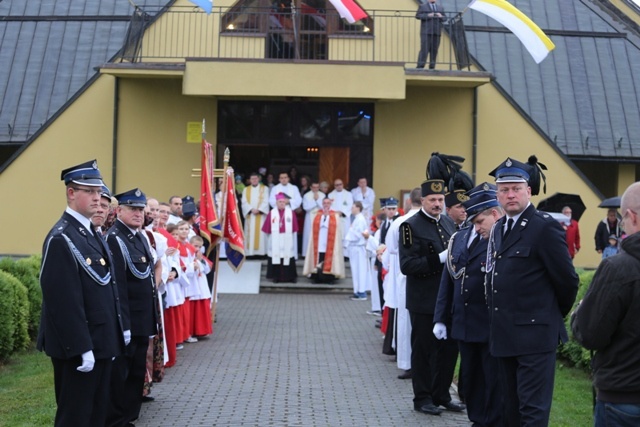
[255, 207]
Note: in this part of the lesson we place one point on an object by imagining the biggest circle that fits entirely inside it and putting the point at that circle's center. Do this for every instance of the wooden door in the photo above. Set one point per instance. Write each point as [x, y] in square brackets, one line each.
[334, 163]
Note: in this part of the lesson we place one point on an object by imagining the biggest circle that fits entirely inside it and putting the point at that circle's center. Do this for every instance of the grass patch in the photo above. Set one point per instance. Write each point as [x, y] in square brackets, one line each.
[572, 399]
[27, 398]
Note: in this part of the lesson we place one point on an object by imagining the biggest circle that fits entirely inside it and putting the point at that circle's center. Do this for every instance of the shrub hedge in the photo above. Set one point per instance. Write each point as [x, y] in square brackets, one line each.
[20, 304]
[572, 350]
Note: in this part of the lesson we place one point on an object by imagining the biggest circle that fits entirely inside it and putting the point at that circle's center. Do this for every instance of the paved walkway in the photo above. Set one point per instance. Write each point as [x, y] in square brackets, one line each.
[287, 359]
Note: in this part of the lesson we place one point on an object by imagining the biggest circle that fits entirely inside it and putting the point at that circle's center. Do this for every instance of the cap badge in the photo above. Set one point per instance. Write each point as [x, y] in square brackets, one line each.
[462, 197]
[508, 163]
[138, 193]
[94, 165]
[436, 187]
[485, 187]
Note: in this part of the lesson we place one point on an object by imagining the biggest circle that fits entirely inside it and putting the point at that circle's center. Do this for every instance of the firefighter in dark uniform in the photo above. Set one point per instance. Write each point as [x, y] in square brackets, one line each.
[422, 251]
[461, 300]
[531, 286]
[80, 327]
[134, 267]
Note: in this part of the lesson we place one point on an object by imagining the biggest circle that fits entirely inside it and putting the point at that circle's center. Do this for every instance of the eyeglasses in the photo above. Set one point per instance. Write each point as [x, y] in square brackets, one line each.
[92, 191]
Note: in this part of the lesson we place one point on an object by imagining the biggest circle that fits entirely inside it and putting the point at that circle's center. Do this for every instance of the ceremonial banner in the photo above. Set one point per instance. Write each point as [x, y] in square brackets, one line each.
[208, 221]
[531, 36]
[349, 10]
[233, 232]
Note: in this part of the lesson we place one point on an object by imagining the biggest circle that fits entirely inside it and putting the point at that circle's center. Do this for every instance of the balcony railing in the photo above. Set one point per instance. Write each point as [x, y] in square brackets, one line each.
[304, 34]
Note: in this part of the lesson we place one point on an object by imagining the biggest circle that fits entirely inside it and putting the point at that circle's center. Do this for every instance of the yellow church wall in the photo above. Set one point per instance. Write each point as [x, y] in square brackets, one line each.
[31, 187]
[152, 150]
[407, 132]
[502, 133]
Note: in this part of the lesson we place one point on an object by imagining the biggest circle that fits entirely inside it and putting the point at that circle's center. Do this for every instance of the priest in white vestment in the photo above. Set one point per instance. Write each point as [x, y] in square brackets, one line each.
[255, 208]
[324, 260]
[312, 204]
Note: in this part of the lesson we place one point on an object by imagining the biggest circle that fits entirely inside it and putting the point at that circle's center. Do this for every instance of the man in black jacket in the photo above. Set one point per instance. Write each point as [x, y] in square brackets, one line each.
[422, 251]
[80, 326]
[608, 320]
[431, 16]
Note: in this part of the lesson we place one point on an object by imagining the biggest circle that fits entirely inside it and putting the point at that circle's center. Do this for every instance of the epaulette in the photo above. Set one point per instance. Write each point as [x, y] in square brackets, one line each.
[59, 227]
[407, 238]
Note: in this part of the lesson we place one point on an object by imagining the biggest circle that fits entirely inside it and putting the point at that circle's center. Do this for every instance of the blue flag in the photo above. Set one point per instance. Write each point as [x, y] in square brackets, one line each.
[205, 5]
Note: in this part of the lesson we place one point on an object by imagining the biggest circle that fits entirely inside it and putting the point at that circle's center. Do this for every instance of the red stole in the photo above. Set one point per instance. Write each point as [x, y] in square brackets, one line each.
[331, 239]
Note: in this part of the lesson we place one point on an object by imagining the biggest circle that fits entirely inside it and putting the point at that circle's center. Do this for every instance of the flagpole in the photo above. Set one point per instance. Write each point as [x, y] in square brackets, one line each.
[223, 195]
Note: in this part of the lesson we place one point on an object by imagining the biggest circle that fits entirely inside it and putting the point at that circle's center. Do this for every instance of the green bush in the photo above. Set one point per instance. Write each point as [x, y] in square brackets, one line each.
[27, 270]
[14, 314]
[572, 350]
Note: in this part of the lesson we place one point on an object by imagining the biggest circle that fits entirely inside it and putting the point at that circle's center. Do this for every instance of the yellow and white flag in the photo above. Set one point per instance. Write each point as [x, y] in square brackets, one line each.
[531, 36]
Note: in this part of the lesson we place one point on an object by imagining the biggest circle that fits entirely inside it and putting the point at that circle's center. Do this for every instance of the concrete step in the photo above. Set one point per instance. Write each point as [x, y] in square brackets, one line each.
[305, 284]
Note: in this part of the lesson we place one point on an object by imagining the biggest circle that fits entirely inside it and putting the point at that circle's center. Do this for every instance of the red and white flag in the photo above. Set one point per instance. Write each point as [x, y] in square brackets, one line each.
[233, 232]
[208, 222]
[349, 10]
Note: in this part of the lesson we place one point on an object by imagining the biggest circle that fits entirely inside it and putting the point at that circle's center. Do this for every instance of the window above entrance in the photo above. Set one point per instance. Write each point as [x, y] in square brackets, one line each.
[293, 28]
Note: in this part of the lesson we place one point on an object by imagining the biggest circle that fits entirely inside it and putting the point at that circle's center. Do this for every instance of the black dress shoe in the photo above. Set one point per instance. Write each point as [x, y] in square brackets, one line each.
[454, 406]
[406, 375]
[428, 408]
[148, 399]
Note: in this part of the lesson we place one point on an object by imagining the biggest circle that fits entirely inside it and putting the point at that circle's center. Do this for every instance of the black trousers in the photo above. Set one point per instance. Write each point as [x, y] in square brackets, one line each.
[429, 44]
[480, 376]
[127, 380]
[528, 388]
[433, 362]
[82, 397]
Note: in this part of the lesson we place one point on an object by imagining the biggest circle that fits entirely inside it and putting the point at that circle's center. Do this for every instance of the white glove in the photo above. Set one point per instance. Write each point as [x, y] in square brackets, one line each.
[87, 362]
[440, 331]
[443, 256]
[127, 337]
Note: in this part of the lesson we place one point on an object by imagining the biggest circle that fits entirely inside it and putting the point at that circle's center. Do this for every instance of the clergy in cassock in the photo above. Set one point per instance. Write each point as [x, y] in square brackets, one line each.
[255, 208]
[281, 225]
[324, 260]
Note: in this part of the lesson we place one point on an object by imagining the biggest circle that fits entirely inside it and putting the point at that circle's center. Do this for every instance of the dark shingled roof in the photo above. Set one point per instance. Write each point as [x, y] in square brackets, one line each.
[586, 94]
[48, 51]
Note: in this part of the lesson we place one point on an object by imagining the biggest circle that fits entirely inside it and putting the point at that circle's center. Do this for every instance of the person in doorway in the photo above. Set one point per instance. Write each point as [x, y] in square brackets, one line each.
[255, 208]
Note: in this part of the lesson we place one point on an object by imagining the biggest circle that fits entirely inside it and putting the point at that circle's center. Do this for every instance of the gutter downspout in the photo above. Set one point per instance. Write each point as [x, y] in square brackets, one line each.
[474, 137]
[114, 160]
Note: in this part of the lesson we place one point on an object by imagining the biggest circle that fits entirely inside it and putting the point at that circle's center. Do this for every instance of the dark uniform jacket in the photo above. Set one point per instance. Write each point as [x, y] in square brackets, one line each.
[421, 240]
[134, 272]
[80, 310]
[461, 300]
[532, 286]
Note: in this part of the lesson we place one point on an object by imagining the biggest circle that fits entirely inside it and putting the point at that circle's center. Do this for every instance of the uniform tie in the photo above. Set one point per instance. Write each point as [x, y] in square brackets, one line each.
[509, 227]
[474, 243]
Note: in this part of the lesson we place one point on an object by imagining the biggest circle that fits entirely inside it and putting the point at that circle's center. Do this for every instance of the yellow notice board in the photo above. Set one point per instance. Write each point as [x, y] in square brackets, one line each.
[194, 132]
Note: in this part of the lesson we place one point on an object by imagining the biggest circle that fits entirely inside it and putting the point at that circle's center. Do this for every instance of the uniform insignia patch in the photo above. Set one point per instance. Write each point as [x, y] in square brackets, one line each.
[407, 239]
[436, 187]
[462, 197]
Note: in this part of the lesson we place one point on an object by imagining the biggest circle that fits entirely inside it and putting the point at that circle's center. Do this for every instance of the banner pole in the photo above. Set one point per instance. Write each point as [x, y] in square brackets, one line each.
[223, 195]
